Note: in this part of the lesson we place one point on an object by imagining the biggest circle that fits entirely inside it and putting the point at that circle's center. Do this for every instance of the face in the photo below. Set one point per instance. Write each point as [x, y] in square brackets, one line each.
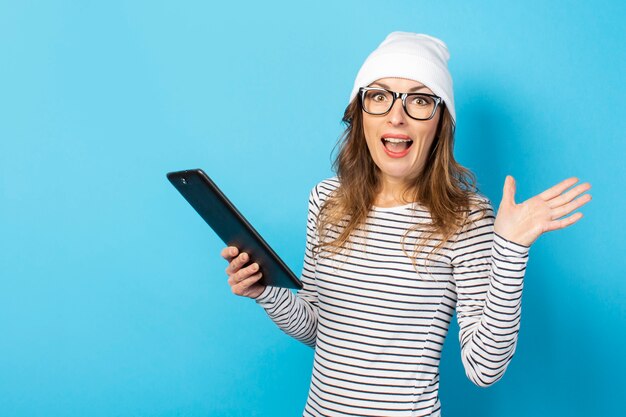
[397, 143]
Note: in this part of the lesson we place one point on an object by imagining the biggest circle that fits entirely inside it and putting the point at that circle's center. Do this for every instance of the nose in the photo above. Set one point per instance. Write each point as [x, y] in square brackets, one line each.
[396, 115]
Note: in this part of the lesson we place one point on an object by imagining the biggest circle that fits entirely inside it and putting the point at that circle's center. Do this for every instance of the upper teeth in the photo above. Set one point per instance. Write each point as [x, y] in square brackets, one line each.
[396, 140]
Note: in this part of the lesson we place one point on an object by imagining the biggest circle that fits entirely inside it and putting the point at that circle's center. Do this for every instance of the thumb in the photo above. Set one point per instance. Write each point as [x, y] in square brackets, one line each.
[508, 192]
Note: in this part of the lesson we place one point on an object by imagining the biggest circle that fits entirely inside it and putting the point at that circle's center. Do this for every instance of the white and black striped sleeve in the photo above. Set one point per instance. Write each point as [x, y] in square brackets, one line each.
[489, 275]
[297, 314]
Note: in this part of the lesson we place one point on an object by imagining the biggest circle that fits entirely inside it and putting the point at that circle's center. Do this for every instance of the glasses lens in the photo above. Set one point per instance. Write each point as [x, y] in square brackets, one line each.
[377, 101]
[420, 106]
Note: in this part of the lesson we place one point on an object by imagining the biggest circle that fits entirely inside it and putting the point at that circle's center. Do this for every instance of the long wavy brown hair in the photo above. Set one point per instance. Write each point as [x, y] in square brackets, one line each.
[444, 187]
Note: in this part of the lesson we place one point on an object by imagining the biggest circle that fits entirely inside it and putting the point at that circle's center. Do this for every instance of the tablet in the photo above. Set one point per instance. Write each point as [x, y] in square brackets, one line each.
[230, 225]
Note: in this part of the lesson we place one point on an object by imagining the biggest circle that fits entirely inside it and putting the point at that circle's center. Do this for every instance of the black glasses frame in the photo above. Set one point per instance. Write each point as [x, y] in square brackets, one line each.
[396, 95]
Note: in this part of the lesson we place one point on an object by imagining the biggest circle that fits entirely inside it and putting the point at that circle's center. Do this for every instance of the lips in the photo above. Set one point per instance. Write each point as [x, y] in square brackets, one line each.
[396, 145]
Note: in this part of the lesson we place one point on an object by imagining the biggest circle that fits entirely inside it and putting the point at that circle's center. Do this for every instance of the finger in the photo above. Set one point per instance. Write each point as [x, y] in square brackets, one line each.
[237, 263]
[229, 253]
[566, 209]
[558, 189]
[246, 272]
[563, 223]
[508, 192]
[244, 285]
[569, 196]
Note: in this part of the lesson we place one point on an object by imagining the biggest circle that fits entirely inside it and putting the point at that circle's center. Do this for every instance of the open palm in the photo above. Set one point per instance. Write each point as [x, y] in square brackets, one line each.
[523, 223]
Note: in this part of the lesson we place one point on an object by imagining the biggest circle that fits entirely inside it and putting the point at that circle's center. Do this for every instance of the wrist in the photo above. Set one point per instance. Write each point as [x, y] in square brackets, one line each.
[514, 241]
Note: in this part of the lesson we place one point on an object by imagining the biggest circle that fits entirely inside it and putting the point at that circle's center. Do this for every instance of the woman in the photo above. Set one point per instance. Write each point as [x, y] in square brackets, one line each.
[397, 241]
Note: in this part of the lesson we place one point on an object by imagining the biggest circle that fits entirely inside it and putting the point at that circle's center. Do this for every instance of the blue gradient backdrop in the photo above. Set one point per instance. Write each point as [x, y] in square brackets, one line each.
[113, 297]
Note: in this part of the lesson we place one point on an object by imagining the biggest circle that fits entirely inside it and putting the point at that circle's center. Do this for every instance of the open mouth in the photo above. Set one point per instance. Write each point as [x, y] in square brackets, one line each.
[397, 145]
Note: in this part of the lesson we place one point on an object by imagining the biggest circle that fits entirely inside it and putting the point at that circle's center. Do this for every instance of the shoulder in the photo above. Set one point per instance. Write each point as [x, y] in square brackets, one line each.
[479, 214]
[326, 187]
[479, 205]
[322, 190]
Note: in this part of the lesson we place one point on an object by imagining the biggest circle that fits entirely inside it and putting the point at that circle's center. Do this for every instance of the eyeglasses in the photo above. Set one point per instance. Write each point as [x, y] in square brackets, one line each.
[418, 106]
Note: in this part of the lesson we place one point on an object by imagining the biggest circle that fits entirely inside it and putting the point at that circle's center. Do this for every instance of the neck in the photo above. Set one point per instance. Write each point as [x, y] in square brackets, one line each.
[392, 192]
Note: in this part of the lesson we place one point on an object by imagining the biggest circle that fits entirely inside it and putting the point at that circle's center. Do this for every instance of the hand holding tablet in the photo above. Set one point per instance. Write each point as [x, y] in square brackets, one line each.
[243, 280]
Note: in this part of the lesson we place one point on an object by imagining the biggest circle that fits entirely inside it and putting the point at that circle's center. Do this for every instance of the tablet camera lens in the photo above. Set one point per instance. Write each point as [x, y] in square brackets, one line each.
[183, 180]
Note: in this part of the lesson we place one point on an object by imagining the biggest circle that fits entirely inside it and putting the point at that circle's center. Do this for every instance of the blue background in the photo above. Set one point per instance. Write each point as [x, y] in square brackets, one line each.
[113, 297]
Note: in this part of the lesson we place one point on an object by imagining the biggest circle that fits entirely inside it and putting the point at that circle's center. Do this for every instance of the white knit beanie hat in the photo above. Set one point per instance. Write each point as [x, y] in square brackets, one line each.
[417, 57]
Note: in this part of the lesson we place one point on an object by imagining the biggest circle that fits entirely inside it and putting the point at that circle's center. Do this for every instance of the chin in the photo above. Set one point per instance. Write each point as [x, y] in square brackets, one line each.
[403, 175]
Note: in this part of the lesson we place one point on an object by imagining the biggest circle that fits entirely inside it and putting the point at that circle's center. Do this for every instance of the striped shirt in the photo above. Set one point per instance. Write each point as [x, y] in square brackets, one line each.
[378, 320]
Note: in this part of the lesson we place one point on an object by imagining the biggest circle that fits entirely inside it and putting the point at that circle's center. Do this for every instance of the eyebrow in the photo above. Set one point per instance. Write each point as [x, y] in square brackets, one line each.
[417, 88]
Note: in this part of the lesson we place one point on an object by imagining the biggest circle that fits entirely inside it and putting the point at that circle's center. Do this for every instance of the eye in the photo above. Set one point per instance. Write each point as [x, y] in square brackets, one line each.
[420, 100]
[378, 96]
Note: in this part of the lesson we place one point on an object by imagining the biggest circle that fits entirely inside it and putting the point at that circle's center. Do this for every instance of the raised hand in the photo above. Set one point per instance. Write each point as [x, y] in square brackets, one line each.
[523, 223]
